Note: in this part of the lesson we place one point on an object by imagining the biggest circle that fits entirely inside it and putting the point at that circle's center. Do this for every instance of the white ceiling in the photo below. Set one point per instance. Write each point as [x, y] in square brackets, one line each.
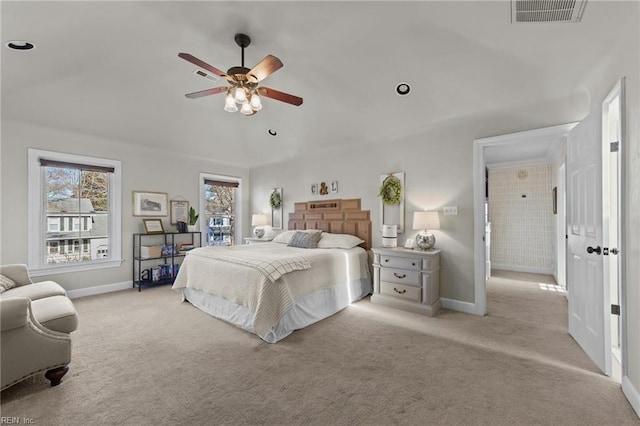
[111, 69]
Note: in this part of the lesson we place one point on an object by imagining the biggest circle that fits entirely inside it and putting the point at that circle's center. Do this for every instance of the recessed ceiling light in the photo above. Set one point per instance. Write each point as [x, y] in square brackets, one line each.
[403, 89]
[20, 45]
[272, 132]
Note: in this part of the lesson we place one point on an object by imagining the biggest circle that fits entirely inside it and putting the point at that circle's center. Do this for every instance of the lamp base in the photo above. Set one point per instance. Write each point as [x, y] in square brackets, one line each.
[425, 240]
[258, 231]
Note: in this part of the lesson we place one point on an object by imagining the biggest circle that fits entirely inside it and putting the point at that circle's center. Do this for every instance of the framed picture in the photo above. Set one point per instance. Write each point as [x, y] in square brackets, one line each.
[314, 189]
[179, 211]
[153, 226]
[149, 203]
[324, 189]
[334, 187]
[554, 195]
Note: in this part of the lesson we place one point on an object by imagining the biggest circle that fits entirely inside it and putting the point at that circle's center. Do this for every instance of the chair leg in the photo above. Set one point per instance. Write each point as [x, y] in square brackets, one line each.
[55, 375]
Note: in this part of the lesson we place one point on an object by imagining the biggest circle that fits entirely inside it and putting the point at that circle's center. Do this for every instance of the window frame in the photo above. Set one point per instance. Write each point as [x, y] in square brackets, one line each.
[37, 221]
[203, 203]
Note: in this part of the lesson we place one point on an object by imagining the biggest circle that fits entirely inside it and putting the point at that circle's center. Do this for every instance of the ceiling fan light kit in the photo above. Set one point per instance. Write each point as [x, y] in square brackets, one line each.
[243, 91]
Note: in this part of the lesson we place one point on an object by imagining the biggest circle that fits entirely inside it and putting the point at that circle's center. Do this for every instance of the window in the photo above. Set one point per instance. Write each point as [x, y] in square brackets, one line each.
[221, 209]
[74, 212]
[53, 224]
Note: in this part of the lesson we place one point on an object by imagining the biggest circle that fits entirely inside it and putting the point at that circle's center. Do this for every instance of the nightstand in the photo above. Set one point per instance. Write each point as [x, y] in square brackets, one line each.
[407, 279]
[254, 240]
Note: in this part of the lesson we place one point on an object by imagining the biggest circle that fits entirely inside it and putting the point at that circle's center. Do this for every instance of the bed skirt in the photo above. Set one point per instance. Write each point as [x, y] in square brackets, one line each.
[305, 311]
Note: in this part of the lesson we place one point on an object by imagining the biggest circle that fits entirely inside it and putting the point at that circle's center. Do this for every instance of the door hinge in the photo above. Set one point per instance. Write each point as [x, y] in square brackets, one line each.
[615, 146]
[615, 309]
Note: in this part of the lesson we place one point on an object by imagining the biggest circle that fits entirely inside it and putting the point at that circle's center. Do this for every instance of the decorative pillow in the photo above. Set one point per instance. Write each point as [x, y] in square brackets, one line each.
[285, 237]
[305, 239]
[343, 241]
[6, 283]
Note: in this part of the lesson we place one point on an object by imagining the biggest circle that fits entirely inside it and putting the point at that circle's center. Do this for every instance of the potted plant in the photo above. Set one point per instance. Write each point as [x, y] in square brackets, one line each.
[193, 218]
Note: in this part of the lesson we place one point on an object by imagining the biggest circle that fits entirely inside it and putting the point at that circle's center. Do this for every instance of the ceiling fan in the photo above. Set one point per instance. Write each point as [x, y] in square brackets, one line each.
[244, 89]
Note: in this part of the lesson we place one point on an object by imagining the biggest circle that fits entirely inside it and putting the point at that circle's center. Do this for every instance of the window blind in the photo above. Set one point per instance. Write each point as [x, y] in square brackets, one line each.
[86, 167]
[221, 183]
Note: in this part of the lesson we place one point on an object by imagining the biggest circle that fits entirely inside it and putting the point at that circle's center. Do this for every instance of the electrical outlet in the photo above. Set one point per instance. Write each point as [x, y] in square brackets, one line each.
[450, 210]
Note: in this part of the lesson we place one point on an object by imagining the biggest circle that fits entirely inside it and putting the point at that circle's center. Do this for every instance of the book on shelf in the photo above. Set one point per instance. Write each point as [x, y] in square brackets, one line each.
[186, 247]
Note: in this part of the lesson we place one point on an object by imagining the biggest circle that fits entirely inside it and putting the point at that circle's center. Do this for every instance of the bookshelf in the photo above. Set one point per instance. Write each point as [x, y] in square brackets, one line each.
[157, 257]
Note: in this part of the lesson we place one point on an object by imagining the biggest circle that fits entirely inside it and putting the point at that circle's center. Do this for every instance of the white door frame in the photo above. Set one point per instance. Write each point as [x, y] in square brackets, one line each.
[561, 226]
[479, 165]
[618, 90]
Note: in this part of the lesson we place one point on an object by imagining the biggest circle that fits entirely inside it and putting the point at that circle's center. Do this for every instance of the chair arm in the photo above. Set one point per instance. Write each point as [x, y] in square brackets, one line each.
[14, 312]
[17, 272]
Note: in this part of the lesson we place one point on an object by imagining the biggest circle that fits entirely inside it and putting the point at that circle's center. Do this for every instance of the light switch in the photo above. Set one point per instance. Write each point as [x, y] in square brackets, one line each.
[450, 210]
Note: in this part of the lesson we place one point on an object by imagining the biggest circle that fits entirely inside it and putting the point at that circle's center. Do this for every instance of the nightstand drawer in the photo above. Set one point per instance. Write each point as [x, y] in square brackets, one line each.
[400, 263]
[401, 291]
[400, 276]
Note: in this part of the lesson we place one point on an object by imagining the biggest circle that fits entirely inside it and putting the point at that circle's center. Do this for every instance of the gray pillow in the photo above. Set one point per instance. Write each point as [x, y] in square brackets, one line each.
[6, 283]
[305, 239]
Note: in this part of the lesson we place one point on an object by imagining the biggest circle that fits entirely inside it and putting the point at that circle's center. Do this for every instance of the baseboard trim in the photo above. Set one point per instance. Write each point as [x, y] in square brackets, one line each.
[631, 393]
[529, 269]
[98, 289]
[457, 305]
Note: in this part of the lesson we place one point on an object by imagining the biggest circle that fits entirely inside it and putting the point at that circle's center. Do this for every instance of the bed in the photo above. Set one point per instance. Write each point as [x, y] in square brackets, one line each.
[273, 288]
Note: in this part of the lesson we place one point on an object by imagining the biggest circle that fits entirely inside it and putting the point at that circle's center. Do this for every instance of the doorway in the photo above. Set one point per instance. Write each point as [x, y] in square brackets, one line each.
[612, 171]
[512, 147]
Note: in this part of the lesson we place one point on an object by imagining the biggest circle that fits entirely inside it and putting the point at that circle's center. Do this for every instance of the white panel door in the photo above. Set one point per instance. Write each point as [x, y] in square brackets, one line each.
[586, 292]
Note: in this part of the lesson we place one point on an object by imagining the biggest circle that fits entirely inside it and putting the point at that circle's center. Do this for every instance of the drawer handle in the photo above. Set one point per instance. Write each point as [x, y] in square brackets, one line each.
[399, 291]
[395, 274]
[386, 260]
[413, 263]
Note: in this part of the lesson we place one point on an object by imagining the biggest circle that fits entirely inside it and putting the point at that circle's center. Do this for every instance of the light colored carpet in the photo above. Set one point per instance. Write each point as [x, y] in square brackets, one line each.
[148, 359]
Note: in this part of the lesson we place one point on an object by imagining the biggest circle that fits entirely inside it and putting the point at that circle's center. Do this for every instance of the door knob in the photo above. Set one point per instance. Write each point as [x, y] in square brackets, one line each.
[596, 250]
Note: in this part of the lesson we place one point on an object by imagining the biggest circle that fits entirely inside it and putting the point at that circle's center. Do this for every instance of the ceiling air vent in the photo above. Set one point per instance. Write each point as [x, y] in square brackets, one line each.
[547, 10]
[206, 75]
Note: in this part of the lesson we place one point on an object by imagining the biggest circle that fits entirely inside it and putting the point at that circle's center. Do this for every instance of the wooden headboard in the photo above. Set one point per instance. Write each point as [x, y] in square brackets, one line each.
[335, 216]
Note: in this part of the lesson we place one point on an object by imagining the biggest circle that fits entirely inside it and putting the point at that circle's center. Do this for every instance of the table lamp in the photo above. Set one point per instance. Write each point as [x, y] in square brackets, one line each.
[258, 220]
[425, 221]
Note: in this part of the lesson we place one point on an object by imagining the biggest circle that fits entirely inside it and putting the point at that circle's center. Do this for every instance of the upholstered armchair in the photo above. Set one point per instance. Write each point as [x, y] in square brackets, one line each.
[36, 320]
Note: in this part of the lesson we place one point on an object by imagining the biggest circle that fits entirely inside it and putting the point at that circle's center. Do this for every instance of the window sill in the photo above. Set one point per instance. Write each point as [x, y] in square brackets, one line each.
[64, 269]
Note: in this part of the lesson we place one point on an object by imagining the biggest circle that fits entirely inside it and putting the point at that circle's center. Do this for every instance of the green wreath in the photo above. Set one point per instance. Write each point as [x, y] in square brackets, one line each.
[275, 201]
[391, 191]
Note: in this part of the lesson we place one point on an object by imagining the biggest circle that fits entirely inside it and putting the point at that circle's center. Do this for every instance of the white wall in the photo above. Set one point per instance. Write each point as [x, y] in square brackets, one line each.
[522, 220]
[142, 169]
[625, 62]
[437, 169]
[628, 64]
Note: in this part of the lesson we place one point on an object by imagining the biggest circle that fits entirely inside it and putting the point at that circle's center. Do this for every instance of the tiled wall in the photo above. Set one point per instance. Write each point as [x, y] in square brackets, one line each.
[522, 220]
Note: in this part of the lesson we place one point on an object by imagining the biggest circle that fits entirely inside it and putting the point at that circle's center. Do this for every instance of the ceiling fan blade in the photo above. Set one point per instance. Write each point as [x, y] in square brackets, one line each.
[266, 67]
[207, 92]
[279, 96]
[190, 58]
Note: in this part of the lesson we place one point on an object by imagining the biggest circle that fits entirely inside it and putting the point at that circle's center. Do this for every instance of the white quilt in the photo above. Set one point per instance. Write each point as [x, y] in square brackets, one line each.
[267, 277]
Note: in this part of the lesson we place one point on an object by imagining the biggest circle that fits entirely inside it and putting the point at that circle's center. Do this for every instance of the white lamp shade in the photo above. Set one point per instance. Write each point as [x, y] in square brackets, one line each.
[258, 220]
[256, 103]
[230, 104]
[426, 220]
[240, 95]
[246, 109]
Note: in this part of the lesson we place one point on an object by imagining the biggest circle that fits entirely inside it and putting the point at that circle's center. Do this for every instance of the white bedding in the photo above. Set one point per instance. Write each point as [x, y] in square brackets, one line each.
[272, 309]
